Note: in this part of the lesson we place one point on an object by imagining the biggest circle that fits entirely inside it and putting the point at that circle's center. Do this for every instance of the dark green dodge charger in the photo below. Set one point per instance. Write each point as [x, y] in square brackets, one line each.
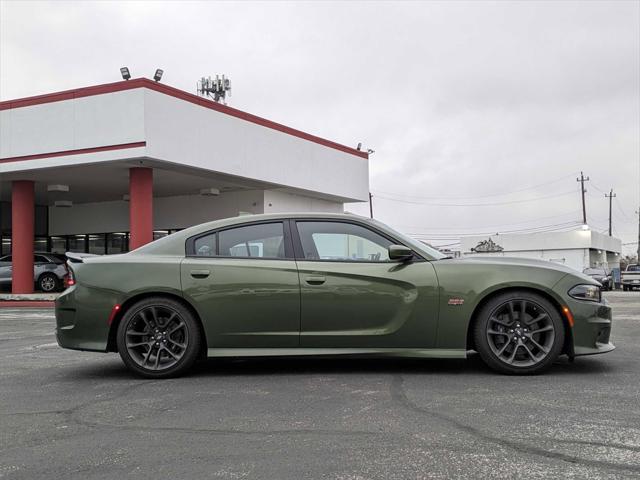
[323, 284]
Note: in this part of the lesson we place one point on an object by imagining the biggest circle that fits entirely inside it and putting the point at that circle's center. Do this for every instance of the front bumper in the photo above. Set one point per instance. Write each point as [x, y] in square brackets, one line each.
[592, 328]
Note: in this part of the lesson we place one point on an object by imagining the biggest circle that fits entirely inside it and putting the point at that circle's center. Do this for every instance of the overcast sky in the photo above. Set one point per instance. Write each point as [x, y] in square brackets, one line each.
[463, 103]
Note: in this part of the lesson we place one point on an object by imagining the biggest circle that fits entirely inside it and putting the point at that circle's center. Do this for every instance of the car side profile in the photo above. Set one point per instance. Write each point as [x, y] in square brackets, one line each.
[49, 271]
[323, 284]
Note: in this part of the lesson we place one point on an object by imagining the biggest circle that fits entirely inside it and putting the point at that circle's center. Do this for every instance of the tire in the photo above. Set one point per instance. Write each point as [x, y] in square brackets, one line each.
[158, 337]
[49, 283]
[511, 343]
[624, 288]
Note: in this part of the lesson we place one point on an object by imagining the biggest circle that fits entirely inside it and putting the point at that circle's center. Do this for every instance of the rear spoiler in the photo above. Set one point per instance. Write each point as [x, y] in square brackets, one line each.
[75, 257]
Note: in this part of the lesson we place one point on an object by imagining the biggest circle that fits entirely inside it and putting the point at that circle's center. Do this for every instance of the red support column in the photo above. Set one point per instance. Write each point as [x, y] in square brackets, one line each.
[140, 206]
[22, 235]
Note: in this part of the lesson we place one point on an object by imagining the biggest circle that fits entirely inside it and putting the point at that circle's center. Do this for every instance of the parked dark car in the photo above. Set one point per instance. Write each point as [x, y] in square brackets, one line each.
[49, 271]
[601, 275]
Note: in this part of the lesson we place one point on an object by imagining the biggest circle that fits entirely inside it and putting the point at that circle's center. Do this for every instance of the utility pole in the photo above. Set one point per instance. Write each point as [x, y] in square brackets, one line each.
[610, 196]
[582, 179]
[370, 204]
[638, 212]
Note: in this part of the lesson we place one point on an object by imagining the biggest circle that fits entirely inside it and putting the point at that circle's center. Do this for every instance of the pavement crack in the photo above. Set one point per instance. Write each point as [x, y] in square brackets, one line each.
[399, 395]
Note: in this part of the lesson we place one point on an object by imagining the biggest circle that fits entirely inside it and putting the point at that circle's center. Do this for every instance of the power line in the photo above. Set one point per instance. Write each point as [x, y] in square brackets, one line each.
[510, 224]
[492, 204]
[539, 229]
[533, 187]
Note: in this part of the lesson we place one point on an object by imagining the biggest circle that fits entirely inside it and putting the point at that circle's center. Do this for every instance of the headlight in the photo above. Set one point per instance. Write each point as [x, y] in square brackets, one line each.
[586, 292]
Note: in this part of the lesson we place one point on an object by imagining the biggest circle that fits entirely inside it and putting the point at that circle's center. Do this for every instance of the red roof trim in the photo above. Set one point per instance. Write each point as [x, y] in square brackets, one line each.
[78, 151]
[182, 95]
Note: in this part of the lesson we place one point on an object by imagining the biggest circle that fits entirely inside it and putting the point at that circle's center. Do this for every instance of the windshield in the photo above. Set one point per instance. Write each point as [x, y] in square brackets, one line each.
[594, 271]
[633, 268]
[414, 244]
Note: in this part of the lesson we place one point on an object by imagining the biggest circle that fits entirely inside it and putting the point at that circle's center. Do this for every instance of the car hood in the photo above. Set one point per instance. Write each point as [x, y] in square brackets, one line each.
[519, 262]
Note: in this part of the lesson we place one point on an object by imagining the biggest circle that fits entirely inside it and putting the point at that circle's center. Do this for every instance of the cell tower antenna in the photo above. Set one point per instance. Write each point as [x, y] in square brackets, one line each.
[215, 88]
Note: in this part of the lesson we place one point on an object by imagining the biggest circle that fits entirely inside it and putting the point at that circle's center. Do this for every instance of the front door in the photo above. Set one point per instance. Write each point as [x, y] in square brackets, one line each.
[244, 283]
[354, 296]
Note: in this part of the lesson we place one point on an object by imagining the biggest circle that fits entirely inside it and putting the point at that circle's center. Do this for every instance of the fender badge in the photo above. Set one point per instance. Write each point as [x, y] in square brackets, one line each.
[455, 301]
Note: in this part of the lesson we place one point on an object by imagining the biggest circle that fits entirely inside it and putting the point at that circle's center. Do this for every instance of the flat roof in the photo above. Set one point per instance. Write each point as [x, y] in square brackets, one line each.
[176, 93]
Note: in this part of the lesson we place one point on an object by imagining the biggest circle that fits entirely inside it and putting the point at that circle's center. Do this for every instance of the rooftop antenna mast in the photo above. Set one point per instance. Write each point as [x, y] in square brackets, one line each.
[215, 88]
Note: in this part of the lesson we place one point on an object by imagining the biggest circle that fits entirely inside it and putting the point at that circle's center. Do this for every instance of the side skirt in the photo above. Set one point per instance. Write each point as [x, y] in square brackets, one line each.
[353, 352]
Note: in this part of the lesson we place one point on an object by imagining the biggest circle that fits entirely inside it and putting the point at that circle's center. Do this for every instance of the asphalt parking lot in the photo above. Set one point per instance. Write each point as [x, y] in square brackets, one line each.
[80, 415]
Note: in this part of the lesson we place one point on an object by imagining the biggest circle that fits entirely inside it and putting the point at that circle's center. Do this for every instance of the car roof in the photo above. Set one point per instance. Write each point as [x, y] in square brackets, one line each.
[173, 245]
[164, 245]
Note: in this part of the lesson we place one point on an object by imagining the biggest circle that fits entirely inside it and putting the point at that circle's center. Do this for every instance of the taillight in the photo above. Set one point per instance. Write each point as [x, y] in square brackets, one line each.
[70, 278]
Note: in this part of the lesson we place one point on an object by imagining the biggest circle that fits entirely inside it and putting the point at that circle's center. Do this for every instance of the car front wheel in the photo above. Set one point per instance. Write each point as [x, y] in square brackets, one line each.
[158, 338]
[519, 333]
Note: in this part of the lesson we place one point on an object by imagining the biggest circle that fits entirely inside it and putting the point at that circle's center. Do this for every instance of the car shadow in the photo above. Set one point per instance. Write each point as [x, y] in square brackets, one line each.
[292, 366]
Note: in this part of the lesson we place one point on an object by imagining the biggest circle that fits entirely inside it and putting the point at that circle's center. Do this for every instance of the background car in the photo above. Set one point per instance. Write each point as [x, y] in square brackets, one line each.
[601, 275]
[49, 271]
[631, 277]
[317, 284]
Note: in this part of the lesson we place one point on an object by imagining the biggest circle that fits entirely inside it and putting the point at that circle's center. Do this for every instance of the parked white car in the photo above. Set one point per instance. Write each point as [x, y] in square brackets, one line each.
[49, 271]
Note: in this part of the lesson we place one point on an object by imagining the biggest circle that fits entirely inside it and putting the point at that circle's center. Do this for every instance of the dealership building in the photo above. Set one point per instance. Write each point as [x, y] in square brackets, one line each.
[108, 168]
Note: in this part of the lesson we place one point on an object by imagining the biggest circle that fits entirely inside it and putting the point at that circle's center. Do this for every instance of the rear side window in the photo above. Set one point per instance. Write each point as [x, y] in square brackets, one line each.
[205, 246]
[260, 241]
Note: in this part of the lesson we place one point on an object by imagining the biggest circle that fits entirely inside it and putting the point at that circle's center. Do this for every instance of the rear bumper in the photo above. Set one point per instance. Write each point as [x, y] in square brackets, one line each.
[78, 325]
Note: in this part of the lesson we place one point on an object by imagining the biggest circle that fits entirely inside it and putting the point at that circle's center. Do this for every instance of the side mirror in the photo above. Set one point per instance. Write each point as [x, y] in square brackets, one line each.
[400, 252]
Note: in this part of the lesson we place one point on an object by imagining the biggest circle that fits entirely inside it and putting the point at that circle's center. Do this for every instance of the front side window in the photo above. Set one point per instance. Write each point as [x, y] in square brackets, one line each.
[341, 241]
[260, 241]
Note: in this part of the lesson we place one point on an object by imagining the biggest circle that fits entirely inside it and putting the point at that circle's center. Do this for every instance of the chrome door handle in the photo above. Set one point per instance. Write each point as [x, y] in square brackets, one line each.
[200, 273]
[315, 280]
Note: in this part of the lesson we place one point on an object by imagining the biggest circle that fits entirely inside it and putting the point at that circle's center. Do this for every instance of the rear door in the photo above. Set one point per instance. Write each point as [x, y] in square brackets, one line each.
[244, 283]
[353, 296]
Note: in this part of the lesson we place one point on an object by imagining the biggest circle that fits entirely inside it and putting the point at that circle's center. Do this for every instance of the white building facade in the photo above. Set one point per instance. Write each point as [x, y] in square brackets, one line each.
[578, 249]
[107, 168]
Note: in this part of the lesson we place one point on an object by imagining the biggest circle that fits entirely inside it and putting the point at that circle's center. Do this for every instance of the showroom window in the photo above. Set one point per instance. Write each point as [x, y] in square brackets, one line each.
[97, 243]
[77, 243]
[117, 242]
[341, 241]
[260, 241]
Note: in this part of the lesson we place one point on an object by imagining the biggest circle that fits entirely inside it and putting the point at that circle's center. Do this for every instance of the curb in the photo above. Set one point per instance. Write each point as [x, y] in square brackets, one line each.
[27, 304]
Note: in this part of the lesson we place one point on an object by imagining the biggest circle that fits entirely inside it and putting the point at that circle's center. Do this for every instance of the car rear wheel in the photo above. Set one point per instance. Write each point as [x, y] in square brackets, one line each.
[158, 338]
[519, 333]
[48, 283]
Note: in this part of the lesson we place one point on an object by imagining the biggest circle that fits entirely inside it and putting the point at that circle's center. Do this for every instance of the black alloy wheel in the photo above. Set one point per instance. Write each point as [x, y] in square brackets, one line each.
[158, 338]
[519, 333]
